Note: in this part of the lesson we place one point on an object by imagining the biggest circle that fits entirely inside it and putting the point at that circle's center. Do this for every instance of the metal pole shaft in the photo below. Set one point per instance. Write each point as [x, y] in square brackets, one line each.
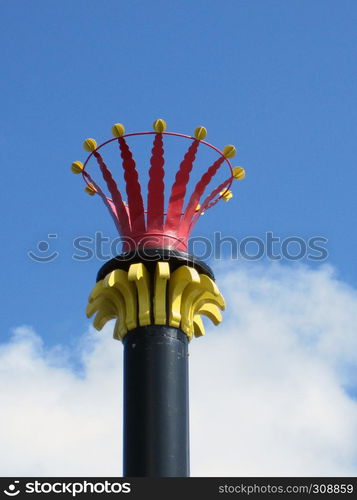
[156, 422]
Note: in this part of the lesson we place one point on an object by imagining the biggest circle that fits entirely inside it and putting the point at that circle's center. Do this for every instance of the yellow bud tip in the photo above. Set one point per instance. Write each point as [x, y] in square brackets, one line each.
[77, 167]
[198, 207]
[159, 126]
[238, 173]
[90, 145]
[226, 195]
[118, 130]
[200, 133]
[90, 189]
[229, 151]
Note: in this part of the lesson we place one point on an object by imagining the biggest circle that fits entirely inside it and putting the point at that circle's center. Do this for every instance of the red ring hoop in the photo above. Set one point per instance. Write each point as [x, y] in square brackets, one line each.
[165, 133]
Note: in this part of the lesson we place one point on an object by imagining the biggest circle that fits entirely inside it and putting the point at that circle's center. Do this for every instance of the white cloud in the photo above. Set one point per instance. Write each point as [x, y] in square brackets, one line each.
[268, 387]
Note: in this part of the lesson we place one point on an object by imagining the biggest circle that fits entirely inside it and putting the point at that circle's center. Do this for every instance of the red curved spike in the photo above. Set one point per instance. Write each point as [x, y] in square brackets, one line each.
[108, 203]
[196, 195]
[207, 203]
[155, 210]
[178, 191]
[116, 196]
[133, 190]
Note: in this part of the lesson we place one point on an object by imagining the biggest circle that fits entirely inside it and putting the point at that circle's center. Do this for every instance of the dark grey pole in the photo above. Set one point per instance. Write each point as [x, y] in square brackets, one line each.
[156, 423]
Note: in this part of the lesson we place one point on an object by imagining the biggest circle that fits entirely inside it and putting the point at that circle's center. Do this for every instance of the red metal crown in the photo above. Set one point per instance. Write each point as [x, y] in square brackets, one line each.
[155, 227]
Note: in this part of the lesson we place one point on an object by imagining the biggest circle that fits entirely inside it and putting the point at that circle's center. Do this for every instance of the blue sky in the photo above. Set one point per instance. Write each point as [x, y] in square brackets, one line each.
[277, 78]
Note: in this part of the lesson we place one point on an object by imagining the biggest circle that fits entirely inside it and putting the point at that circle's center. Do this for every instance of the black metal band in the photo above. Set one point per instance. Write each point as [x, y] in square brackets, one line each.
[150, 256]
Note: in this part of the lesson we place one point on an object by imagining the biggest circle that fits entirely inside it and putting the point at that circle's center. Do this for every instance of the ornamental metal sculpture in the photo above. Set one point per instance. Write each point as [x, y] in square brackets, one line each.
[155, 290]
